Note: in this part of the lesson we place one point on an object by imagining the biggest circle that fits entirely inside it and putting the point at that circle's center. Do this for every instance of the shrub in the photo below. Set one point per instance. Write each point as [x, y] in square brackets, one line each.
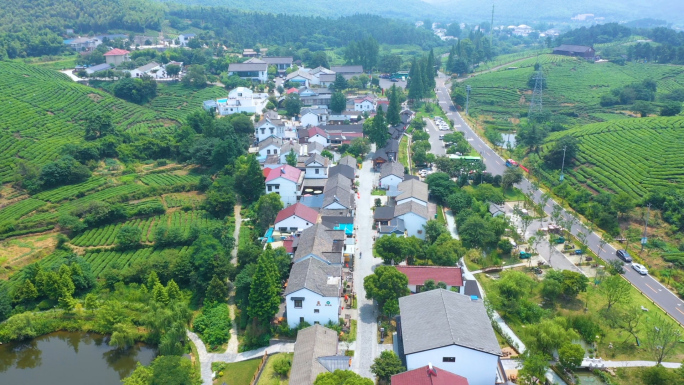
[282, 365]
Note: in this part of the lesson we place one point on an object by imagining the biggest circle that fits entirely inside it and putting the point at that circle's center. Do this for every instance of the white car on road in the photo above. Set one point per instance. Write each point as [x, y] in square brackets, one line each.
[640, 269]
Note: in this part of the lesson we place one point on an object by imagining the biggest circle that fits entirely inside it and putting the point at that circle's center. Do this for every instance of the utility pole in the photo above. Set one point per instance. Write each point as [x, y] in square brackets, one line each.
[491, 31]
[563, 165]
[467, 98]
[644, 239]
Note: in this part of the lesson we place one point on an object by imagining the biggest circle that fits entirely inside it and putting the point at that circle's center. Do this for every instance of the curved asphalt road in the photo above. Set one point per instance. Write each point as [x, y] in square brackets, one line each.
[649, 286]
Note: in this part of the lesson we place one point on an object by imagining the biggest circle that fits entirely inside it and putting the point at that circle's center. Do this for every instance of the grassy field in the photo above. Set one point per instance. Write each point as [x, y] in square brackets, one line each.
[653, 155]
[238, 373]
[624, 347]
[268, 375]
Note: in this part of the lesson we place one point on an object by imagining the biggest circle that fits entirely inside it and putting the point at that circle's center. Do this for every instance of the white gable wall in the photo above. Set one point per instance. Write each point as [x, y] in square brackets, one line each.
[478, 367]
[414, 224]
[411, 199]
[390, 180]
[292, 223]
[328, 308]
[287, 190]
[320, 139]
[271, 149]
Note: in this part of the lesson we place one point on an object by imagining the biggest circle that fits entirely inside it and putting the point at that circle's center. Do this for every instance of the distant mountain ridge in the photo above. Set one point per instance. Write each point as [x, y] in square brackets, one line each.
[507, 11]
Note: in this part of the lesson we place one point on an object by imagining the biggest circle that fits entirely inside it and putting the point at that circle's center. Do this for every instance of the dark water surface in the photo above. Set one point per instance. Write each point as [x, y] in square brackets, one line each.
[69, 358]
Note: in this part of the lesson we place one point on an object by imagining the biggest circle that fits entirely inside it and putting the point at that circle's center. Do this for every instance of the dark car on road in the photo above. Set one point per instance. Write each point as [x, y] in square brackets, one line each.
[622, 254]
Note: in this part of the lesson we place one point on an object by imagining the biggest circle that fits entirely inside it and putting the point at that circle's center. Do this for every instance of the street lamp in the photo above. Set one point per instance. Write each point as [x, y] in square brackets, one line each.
[563, 165]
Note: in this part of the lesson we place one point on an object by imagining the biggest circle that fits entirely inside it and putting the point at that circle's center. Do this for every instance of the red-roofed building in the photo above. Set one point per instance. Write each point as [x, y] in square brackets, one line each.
[427, 376]
[417, 275]
[366, 103]
[117, 56]
[292, 91]
[295, 218]
[313, 134]
[286, 181]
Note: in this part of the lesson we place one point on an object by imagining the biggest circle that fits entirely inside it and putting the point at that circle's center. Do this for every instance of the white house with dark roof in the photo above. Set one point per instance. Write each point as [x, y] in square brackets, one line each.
[286, 181]
[313, 292]
[412, 190]
[301, 77]
[249, 71]
[281, 63]
[391, 174]
[314, 116]
[445, 328]
[348, 71]
[321, 243]
[185, 38]
[316, 167]
[269, 125]
[270, 146]
[415, 217]
[289, 145]
[295, 218]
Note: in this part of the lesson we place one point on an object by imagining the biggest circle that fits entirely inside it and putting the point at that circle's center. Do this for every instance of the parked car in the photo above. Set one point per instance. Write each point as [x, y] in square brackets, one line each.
[624, 255]
[640, 269]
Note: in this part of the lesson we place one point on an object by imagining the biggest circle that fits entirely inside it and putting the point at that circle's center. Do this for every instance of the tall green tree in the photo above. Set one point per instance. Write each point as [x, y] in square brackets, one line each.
[375, 129]
[431, 73]
[293, 104]
[217, 291]
[662, 337]
[291, 158]
[264, 294]
[266, 209]
[416, 88]
[387, 365]
[340, 83]
[393, 109]
[252, 182]
[128, 237]
[386, 283]
[338, 102]
[98, 126]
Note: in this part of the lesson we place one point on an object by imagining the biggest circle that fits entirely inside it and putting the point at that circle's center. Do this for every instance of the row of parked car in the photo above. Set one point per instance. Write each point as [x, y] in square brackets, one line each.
[441, 124]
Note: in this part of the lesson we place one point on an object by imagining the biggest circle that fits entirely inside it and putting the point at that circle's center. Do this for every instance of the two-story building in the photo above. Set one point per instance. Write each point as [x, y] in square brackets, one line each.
[270, 146]
[286, 181]
[249, 71]
[282, 63]
[313, 292]
[117, 56]
[316, 167]
[366, 103]
[297, 217]
[391, 174]
[314, 134]
[314, 116]
[444, 328]
[321, 243]
[269, 125]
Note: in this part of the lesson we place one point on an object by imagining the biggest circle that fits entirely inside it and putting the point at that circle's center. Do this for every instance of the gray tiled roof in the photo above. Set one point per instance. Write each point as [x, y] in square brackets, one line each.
[240, 67]
[342, 169]
[471, 288]
[277, 59]
[314, 146]
[338, 194]
[439, 318]
[313, 274]
[395, 226]
[313, 342]
[383, 213]
[338, 180]
[392, 168]
[290, 145]
[271, 140]
[318, 158]
[318, 240]
[413, 189]
[348, 160]
[411, 207]
[347, 69]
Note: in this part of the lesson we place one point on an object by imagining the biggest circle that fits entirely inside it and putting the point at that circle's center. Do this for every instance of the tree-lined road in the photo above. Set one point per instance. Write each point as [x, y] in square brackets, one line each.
[649, 286]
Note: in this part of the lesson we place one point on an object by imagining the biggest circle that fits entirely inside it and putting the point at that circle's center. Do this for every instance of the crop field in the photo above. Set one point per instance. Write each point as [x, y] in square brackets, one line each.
[66, 192]
[574, 87]
[42, 110]
[106, 235]
[19, 209]
[631, 155]
[168, 179]
[180, 200]
[101, 259]
[176, 101]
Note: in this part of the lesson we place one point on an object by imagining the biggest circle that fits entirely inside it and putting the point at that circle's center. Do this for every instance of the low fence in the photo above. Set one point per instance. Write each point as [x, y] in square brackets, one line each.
[257, 374]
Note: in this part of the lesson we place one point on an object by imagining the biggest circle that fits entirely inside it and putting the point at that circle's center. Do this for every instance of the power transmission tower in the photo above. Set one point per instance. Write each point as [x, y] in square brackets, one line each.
[536, 103]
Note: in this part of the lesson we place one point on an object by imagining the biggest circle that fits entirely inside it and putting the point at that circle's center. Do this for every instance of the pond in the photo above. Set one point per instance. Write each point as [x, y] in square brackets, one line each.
[69, 358]
[588, 378]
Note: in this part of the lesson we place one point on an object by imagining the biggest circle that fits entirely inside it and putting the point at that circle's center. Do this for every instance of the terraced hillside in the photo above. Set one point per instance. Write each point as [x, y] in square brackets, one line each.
[631, 155]
[574, 88]
[41, 110]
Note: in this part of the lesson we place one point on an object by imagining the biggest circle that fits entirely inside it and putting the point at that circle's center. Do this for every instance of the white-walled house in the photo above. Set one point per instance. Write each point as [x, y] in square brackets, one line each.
[367, 103]
[314, 116]
[415, 216]
[239, 100]
[250, 71]
[313, 293]
[391, 174]
[270, 146]
[286, 181]
[412, 190]
[321, 243]
[452, 276]
[295, 218]
[117, 56]
[317, 134]
[269, 125]
[316, 167]
[451, 330]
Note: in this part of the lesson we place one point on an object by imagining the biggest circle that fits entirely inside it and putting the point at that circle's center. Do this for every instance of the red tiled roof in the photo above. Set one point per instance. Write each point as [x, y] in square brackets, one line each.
[420, 376]
[417, 275]
[117, 52]
[291, 90]
[286, 171]
[384, 102]
[317, 130]
[287, 244]
[306, 213]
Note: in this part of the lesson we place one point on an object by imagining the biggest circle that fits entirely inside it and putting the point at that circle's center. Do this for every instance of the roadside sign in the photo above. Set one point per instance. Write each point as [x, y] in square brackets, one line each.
[562, 177]
[644, 240]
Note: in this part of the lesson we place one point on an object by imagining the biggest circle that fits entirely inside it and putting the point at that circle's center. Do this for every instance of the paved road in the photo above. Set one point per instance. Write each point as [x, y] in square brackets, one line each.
[386, 84]
[650, 287]
[366, 334]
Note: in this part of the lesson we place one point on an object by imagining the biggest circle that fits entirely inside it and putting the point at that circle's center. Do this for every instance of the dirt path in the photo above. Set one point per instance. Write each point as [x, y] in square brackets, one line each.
[491, 69]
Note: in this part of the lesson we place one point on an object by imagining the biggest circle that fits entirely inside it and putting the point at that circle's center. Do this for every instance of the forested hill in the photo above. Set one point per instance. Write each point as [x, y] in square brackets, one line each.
[509, 11]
